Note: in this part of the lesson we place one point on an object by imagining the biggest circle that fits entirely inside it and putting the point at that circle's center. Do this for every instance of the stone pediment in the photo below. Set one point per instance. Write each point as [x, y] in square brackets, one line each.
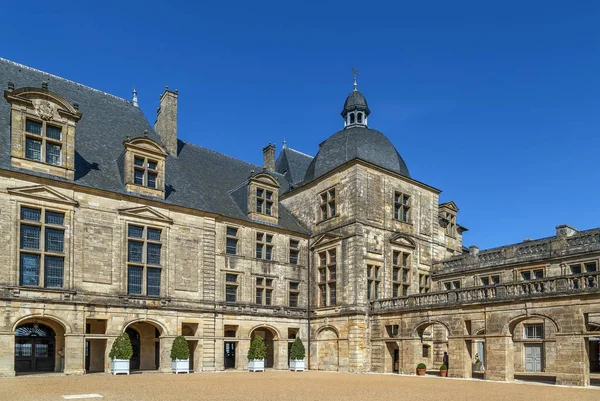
[146, 212]
[450, 206]
[403, 240]
[325, 239]
[265, 178]
[43, 192]
[145, 144]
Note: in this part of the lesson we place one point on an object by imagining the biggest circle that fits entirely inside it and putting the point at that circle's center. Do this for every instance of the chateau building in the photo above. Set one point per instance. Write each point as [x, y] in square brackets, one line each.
[113, 225]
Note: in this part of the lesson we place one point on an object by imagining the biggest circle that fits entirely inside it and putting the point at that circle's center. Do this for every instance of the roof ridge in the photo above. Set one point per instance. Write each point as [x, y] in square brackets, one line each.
[64, 79]
[302, 153]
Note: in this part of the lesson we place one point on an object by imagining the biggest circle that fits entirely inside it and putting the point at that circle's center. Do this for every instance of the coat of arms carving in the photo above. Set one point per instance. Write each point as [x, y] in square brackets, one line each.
[44, 109]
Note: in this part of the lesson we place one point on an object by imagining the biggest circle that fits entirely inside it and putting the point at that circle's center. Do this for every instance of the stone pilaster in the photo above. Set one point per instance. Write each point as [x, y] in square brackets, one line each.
[7, 356]
[458, 358]
[573, 368]
[410, 351]
[500, 357]
[74, 358]
[166, 343]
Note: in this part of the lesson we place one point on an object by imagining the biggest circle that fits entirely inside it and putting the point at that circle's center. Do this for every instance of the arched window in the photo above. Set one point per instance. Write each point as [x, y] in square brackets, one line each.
[34, 330]
[359, 118]
[351, 118]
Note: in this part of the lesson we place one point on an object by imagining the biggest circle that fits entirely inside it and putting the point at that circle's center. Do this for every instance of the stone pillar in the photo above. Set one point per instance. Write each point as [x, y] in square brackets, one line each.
[572, 361]
[166, 343]
[241, 354]
[459, 358]
[109, 343]
[74, 358]
[499, 354]
[343, 355]
[280, 354]
[410, 355]
[7, 354]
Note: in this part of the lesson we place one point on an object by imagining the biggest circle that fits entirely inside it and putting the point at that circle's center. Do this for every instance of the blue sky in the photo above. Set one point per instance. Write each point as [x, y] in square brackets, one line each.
[495, 103]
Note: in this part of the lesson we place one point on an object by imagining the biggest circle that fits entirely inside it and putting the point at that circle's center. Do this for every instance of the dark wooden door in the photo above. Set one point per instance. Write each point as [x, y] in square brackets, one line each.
[229, 355]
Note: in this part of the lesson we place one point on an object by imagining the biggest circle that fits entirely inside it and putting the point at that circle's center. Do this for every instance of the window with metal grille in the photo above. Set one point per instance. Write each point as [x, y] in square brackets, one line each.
[400, 273]
[264, 246]
[294, 251]
[144, 250]
[231, 241]
[145, 172]
[294, 293]
[327, 201]
[231, 287]
[401, 206]
[327, 277]
[41, 247]
[373, 282]
[43, 142]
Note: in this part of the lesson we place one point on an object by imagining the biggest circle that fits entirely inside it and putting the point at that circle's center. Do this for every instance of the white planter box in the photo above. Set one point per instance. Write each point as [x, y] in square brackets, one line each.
[119, 366]
[181, 365]
[297, 365]
[256, 365]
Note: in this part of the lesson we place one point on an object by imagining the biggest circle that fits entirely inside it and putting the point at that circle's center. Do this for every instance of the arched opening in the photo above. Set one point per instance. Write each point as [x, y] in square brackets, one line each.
[39, 346]
[594, 348]
[351, 118]
[268, 336]
[327, 349]
[359, 118]
[145, 341]
[434, 346]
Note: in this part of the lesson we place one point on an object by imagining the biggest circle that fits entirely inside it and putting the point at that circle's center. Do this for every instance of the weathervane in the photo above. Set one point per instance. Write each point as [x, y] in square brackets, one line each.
[355, 75]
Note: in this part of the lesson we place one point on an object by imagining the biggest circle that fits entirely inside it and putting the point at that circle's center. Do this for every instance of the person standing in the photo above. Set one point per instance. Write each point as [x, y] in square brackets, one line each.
[445, 359]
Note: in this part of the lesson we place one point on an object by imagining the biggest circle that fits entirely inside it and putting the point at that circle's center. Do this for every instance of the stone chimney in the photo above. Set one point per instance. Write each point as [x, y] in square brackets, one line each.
[473, 250]
[269, 157]
[565, 231]
[166, 120]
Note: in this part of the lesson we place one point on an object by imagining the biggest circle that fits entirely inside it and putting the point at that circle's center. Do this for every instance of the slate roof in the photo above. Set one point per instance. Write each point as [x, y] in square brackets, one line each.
[355, 101]
[356, 142]
[198, 178]
[292, 164]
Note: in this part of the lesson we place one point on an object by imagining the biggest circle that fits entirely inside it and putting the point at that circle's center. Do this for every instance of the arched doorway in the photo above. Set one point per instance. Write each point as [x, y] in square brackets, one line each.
[328, 352]
[145, 341]
[35, 348]
[269, 337]
[434, 343]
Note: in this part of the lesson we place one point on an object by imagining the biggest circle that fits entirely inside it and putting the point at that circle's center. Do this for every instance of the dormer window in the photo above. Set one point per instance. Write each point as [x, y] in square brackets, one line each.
[42, 131]
[143, 167]
[264, 201]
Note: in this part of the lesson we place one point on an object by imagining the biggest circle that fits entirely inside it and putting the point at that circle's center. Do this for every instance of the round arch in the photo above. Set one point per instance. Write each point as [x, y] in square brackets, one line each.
[420, 327]
[328, 327]
[161, 327]
[45, 319]
[273, 330]
[509, 327]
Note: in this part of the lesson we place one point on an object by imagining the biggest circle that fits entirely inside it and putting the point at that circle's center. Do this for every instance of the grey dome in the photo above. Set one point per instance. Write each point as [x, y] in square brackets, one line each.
[356, 142]
[355, 101]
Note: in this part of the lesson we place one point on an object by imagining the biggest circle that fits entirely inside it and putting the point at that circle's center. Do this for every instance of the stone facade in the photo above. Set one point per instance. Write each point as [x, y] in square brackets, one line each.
[359, 260]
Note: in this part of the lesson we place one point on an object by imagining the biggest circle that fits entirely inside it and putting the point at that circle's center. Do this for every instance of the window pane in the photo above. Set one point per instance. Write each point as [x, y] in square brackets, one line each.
[53, 270]
[152, 180]
[259, 205]
[590, 267]
[332, 273]
[55, 218]
[231, 247]
[269, 238]
[152, 165]
[134, 252]
[269, 252]
[231, 293]
[293, 257]
[538, 273]
[258, 298]
[395, 274]
[33, 149]
[269, 205]
[134, 280]
[53, 132]
[322, 275]
[139, 162]
[294, 243]
[138, 177]
[332, 295]
[269, 195]
[232, 232]
[268, 295]
[53, 154]
[259, 251]
[232, 278]
[30, 214]
[153, 254]
[323, 291]
[33, 127]
[294, 285]
[135, 231]
[153, 234]
[54, 240]
[30, 237]
[259, 192]
[153, 282]
[293, 299]
[30, 269]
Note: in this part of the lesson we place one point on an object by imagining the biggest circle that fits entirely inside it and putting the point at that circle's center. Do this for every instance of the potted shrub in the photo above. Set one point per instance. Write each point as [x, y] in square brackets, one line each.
[120, 354]
[180, 355]
[421, 368]
[443, 371]
[257, 354]
[297, 354]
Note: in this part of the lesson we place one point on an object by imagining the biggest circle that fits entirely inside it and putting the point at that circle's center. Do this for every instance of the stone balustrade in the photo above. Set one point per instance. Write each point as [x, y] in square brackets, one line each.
[544, 287]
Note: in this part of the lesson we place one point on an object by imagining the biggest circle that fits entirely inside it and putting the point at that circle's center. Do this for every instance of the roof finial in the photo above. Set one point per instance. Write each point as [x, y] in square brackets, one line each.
[135, 99]
[284, 143]
[355, 74]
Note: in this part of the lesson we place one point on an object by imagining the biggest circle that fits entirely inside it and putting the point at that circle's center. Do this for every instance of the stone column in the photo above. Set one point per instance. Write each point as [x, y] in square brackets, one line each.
[74, 358]
[7, 354]
[572, 361]
[499, 354]
[459, 359]
[410, 353]
[166, 343]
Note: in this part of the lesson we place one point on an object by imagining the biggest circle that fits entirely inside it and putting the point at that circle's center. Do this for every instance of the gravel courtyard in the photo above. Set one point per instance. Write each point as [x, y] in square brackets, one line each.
[279, 386]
